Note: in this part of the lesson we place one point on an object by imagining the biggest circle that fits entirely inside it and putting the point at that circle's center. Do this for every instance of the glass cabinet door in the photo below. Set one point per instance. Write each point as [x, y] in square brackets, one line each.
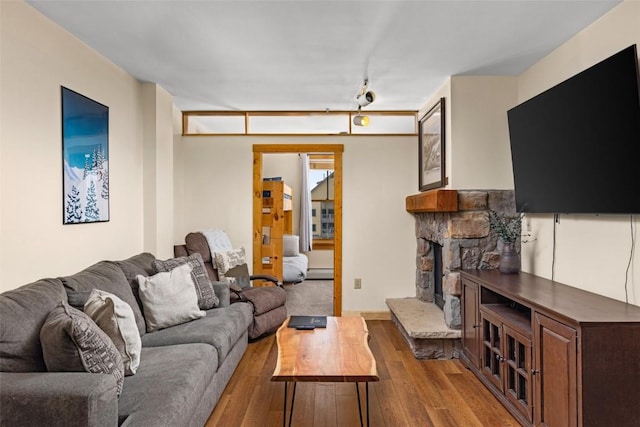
[492, 356]
[517, 385]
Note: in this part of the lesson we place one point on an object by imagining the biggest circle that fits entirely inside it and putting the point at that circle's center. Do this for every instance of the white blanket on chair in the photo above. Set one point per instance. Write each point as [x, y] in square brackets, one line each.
[218, 241]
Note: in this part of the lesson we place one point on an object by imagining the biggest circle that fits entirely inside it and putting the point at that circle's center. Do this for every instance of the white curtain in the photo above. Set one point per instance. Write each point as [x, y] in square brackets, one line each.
[306, 232]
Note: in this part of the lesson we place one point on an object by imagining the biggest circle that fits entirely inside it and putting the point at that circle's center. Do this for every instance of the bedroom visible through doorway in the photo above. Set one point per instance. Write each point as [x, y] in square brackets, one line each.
[281, 163]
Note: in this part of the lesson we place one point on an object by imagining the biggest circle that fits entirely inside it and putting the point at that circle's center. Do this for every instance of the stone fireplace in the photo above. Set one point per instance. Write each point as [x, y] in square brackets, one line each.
[452, 233]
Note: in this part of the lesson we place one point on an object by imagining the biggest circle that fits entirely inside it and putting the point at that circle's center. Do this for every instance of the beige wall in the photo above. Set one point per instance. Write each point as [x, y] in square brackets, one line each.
[158, 170]
[36, 58]
[480, 150]
[477, 153]
[592, 252]
[378, 234]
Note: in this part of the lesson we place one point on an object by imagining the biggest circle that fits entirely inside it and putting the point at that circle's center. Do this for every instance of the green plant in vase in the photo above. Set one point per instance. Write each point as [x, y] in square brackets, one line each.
[509, 230]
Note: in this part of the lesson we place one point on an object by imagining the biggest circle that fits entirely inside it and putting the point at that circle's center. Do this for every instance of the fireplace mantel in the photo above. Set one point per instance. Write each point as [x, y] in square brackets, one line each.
[433, 201]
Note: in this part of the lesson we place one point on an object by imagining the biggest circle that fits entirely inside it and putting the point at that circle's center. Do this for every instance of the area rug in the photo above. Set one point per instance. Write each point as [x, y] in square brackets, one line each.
[311, 297]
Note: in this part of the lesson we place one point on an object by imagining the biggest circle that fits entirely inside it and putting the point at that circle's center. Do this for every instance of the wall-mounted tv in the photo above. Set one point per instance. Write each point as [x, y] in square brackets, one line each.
[576, 147]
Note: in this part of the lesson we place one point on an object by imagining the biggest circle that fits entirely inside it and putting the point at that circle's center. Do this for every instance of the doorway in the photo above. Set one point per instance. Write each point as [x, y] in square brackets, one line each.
[334, 149]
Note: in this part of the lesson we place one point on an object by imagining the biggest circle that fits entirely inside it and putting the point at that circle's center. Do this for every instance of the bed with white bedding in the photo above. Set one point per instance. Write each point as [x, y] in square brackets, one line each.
[294, 264]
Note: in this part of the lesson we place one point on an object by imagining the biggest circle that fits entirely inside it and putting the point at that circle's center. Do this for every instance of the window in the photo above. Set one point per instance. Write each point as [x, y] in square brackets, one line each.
[321, 183]
[297, 122]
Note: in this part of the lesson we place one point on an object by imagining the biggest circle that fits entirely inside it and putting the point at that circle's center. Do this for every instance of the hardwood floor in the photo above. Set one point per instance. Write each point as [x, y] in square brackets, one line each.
[410, 392]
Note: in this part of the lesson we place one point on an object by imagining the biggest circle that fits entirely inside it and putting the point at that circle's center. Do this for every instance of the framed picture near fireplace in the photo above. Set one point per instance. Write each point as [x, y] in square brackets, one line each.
[85, 159]
[431, 148]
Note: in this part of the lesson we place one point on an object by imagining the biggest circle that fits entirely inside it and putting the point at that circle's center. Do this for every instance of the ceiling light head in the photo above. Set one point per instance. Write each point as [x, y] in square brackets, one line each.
[366, 98]
[361, 120]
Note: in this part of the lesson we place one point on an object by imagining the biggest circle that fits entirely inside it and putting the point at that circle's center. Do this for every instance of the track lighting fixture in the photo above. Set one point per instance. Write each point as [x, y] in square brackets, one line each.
[361, 120]
[364, 98]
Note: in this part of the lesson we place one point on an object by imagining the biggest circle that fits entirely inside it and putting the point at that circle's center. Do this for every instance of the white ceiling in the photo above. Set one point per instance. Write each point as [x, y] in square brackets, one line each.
[315, 54]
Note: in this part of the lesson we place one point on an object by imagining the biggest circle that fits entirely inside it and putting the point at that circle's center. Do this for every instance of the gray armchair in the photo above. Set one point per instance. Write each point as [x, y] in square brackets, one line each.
[269, 311]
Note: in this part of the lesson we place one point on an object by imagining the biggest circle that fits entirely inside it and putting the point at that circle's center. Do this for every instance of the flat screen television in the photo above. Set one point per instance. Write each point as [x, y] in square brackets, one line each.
[575, 148]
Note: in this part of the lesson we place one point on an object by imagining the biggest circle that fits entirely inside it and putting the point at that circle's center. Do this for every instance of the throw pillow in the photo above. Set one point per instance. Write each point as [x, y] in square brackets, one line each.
[223, 293]
[233, 264]
[239, 275]
[115, 318]
[290, 245]
[207, 298]
[72, 342]
[169, 298]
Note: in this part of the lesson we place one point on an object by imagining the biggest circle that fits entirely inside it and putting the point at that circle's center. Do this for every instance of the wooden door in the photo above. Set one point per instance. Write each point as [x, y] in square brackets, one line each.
[555, 382]
[470, 322]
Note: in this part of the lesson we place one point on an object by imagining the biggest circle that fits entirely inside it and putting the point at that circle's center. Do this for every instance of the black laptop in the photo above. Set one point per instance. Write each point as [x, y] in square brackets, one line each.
[308, 322]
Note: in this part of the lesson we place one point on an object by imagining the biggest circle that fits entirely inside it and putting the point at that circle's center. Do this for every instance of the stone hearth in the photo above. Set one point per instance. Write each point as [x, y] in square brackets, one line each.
[462, 230]
[423, 328]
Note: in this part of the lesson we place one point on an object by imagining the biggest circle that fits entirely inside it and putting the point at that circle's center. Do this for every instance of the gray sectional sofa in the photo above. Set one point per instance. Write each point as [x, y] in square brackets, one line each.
[182, 373]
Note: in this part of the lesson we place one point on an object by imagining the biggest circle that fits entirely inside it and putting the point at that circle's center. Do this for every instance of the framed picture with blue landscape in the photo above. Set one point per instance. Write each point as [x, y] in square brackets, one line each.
[85, 159]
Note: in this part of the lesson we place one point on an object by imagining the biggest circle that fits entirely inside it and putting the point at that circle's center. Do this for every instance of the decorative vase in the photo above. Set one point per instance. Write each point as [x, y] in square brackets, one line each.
[509, 258]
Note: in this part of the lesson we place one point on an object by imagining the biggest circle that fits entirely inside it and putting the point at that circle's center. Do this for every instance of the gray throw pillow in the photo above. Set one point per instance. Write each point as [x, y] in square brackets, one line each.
[239, 275]
[207, 298]
[72, 342]
[116, 319]
[169, 298]
[223, 293]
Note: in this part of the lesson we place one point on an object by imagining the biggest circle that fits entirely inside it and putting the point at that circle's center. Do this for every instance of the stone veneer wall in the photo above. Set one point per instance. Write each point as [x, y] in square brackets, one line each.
[466, 241]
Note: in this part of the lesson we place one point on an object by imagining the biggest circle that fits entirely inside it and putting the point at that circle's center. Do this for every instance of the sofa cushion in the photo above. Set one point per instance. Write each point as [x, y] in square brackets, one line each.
[72, 342]
[207, 298]
[169, 385]
[221, 328]
[106, 276]
[22, 314]
[116, 319]
[140, 264]
[169, 298]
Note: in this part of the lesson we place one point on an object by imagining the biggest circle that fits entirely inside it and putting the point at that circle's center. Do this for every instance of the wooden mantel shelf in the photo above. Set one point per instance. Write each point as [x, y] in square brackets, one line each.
[433, 201]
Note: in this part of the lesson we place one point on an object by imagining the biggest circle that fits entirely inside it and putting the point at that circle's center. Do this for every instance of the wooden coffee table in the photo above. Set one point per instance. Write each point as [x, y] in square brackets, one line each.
[337, 353]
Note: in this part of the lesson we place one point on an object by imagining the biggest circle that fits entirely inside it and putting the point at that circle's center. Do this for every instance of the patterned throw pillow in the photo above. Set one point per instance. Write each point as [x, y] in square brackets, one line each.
[232, 266]
[207, 298]
[72, 342]
[169, 298]
[115, 318]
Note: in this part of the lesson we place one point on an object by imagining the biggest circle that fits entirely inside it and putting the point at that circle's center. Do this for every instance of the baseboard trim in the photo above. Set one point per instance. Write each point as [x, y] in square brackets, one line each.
[369, 315]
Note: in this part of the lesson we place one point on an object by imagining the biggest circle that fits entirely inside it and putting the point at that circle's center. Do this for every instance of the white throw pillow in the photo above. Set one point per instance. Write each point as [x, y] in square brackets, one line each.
[115, 318]
[169, 298]
[226, 260]
[290, 245]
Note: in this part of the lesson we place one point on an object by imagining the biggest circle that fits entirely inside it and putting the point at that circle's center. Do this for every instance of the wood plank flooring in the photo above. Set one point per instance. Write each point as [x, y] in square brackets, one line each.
[410, 392]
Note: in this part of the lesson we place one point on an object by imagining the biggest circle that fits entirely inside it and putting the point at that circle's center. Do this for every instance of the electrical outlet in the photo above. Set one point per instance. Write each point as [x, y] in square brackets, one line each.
[357, 283]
